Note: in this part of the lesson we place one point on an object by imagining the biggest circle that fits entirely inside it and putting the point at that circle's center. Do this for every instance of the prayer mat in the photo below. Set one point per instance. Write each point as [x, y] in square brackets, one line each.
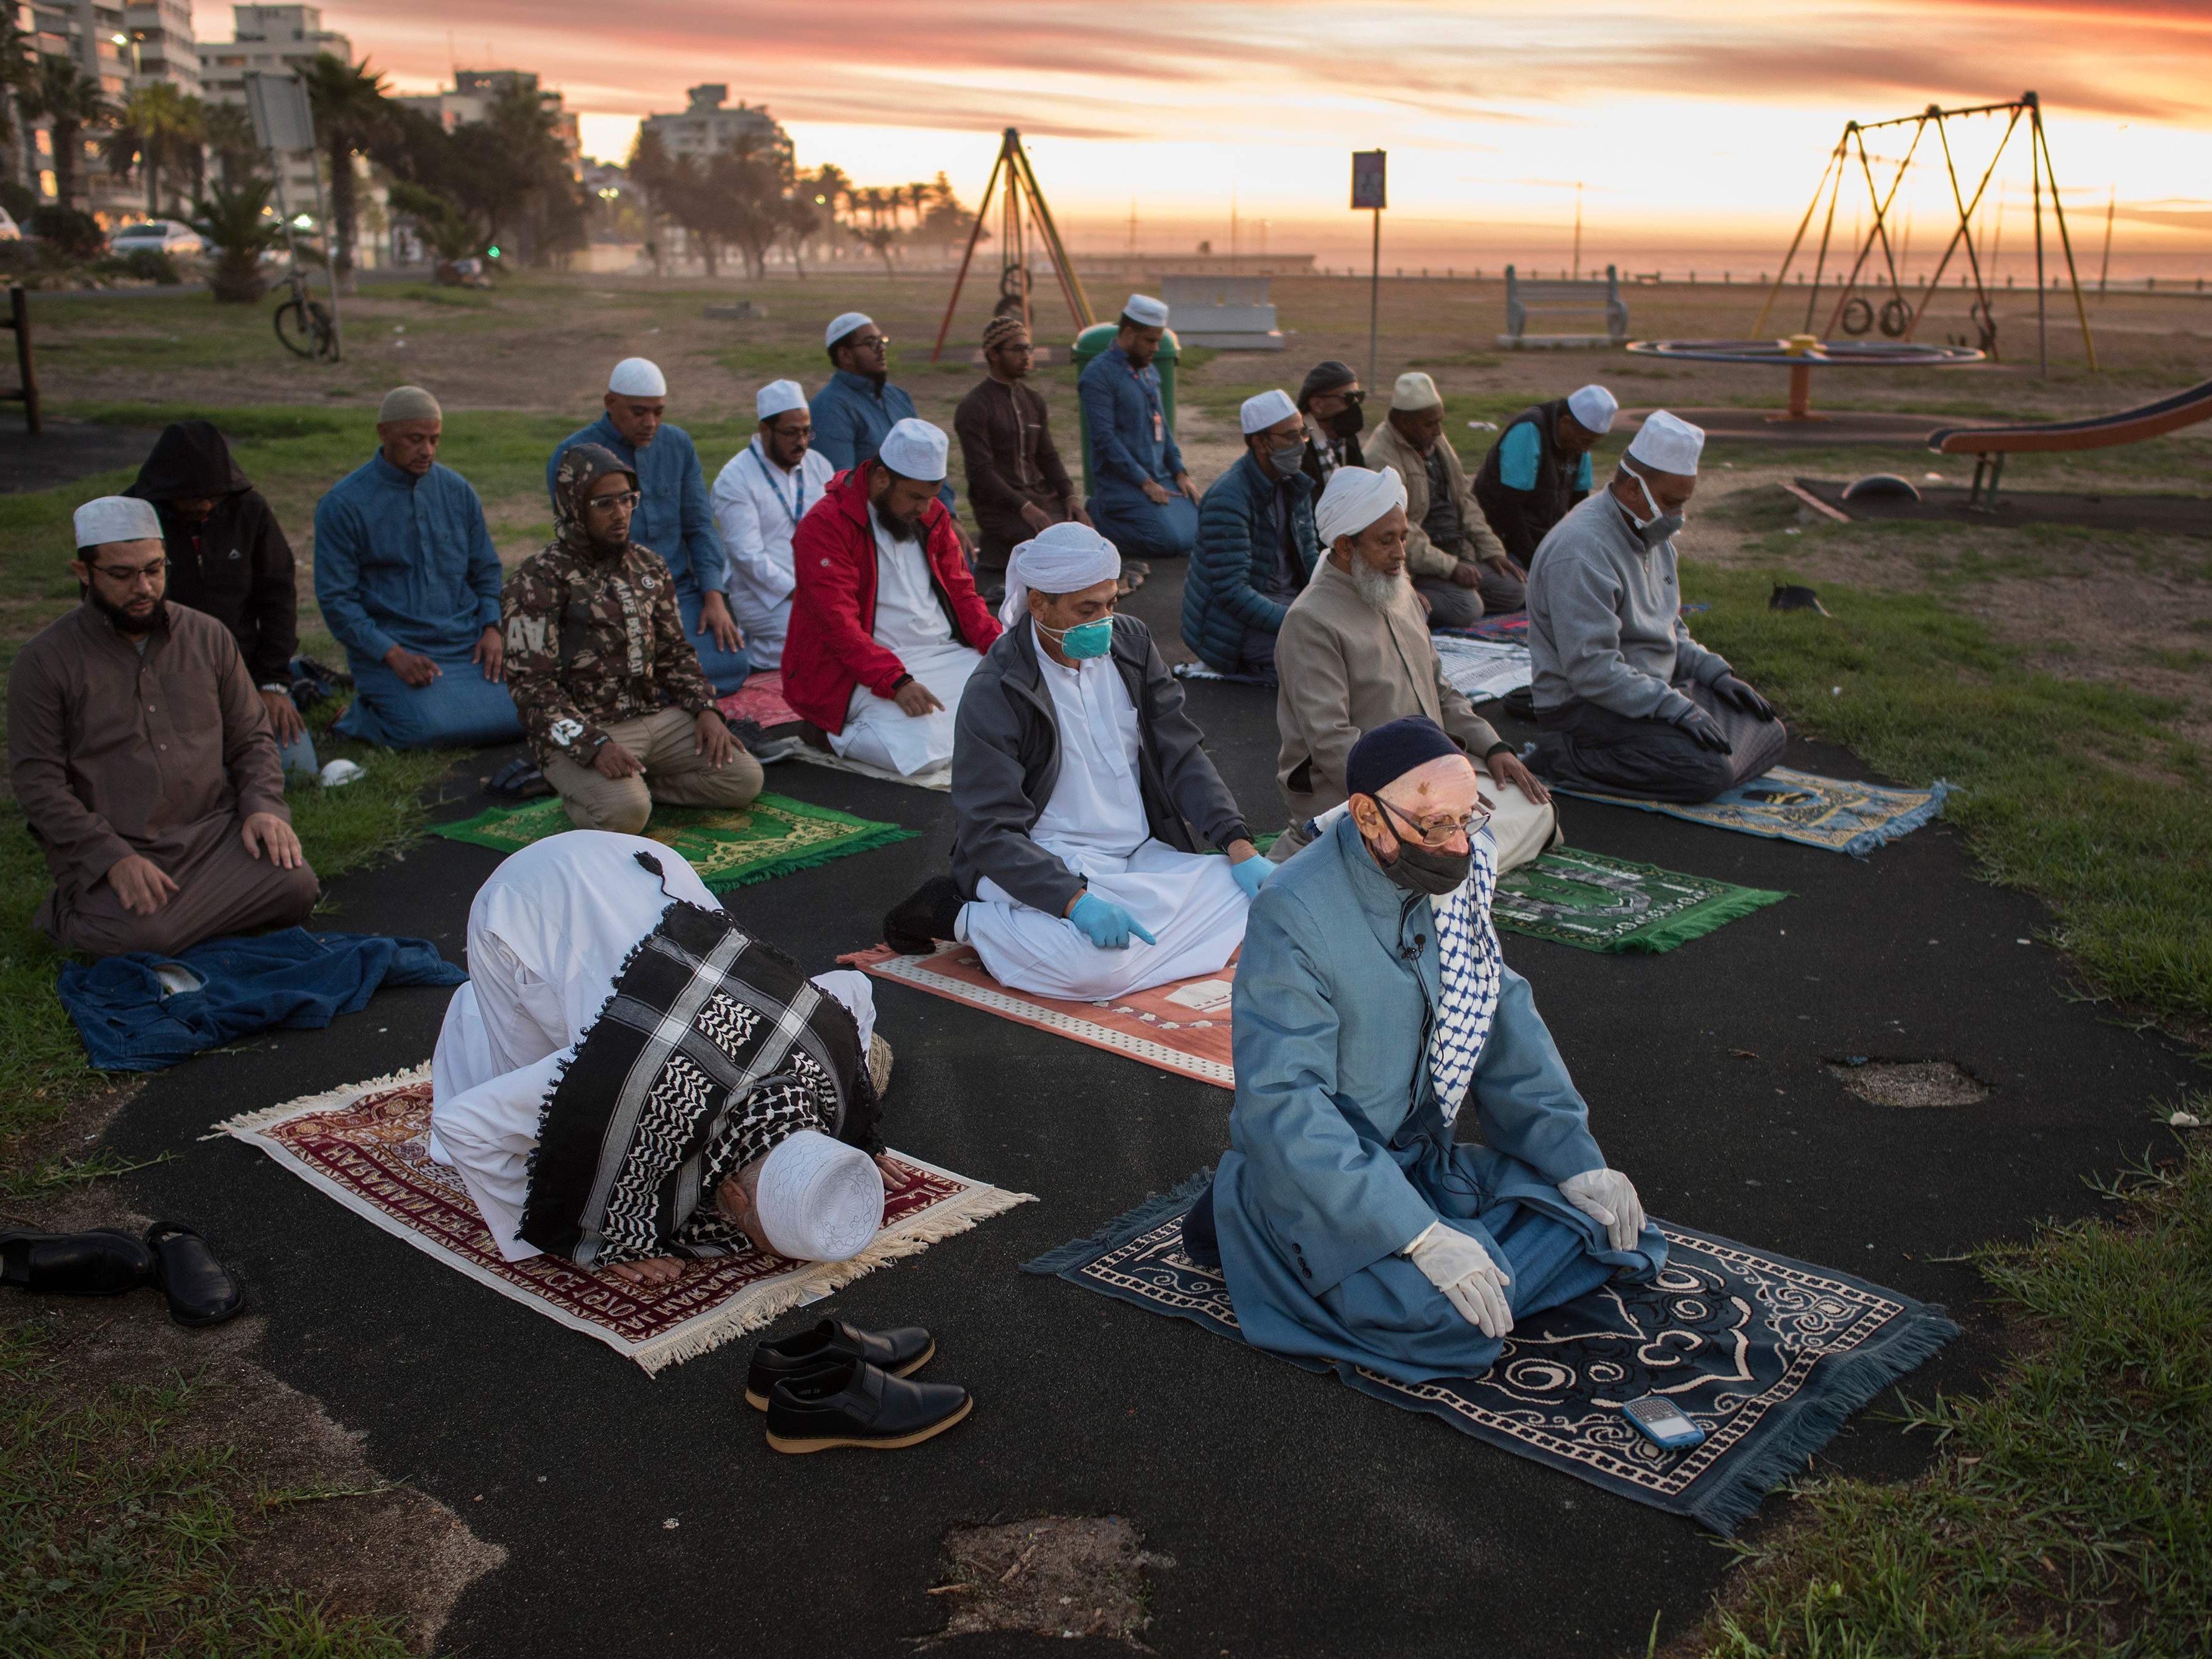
[1483, 670]
[940, 779]
[729, 846]
[1597, 902]
[1514, 626]
[1833, 813]
[1199, 671]
[368, 1147]
[1182, 1026]
[1768, 1356]
[760, 699]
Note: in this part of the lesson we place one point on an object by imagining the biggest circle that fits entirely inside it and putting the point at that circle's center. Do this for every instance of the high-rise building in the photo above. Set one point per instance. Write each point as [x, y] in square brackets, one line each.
[124, 47]
[473, 94]
[709, 127]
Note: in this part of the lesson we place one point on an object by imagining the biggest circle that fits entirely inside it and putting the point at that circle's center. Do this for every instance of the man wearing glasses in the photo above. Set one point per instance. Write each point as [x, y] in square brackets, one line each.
[858, 405]
[1334, 408]
[760, 496]
[144, 760]
[1015, 480]
[616, 706]
[1372, 1007]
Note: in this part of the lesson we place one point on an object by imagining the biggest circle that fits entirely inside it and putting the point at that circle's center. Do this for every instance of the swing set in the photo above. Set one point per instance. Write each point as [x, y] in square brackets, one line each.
[1856, 313]
[1025, 222]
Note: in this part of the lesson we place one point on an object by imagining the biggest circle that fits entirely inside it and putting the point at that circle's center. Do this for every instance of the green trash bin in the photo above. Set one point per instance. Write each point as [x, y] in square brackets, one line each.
[1089, 344]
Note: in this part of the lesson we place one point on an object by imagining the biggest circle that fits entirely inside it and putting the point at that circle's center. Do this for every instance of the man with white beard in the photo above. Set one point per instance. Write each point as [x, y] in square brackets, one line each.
[1354, 654]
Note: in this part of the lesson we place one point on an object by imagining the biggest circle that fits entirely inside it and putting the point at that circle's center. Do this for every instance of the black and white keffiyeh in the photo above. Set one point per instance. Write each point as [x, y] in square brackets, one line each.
[714, 1049]
[1472, 964]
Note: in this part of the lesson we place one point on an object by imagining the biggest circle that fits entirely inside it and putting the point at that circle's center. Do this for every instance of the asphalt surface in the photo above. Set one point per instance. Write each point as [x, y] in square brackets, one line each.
[1300, 1517]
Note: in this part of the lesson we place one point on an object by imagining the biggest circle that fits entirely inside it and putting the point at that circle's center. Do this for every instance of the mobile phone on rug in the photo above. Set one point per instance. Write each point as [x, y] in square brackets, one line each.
[1664, 1423]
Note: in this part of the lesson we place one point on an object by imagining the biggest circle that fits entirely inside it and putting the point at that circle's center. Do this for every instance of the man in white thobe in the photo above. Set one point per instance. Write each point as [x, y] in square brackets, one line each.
[759, 498]
[548, 934]
[1077, 779]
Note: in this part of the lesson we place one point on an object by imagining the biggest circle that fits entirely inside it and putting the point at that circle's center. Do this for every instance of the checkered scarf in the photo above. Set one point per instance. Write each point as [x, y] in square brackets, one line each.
[1473, 969]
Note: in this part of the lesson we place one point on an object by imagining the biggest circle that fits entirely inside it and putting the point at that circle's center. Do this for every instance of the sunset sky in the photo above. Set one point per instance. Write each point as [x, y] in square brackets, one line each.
[1696, 125]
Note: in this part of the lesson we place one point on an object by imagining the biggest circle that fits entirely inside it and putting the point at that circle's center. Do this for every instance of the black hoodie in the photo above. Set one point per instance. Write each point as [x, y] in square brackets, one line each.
[235, 564]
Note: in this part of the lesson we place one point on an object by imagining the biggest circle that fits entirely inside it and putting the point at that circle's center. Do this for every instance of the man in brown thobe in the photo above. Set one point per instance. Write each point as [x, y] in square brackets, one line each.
[143, 759]
[1015, 477]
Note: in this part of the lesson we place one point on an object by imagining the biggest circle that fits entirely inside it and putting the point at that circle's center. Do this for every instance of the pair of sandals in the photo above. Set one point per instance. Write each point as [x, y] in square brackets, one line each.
[109, 1263]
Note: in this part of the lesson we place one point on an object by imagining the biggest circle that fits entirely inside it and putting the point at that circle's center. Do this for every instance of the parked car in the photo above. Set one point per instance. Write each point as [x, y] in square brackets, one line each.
[157, 236]
[10, 231]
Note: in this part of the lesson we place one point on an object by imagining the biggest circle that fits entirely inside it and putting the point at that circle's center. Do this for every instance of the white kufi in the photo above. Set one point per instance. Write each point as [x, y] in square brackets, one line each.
[117, 519]
[914, 449]
[778, 398]
[1415, 390]
[850, 322]
[1263, 412]
[1354, 499]
[638, 377]
[1143, 309]
[820, 1199]
[1667, 443]
[1594, 406]
[1062, 558]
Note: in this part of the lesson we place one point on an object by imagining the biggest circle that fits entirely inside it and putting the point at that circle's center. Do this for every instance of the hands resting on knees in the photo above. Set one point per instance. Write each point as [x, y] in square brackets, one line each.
[1105, 923]
[1608, 1198]
[1472, 1280]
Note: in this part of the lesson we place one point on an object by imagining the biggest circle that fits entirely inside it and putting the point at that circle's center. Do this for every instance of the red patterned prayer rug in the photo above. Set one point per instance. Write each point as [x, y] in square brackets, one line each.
[760, 698]
[1182, 1026]
[368, 1145]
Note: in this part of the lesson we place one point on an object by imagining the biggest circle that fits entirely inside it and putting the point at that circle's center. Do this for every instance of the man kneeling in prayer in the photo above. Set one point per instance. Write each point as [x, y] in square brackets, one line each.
[1077, 780]
[632, 1082]
[1372, 1005]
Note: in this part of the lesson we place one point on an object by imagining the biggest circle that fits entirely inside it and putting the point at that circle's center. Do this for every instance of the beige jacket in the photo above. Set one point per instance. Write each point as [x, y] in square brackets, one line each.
[1423, 557]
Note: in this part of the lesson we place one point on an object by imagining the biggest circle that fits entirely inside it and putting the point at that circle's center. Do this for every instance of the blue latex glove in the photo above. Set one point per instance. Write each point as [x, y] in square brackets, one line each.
[1106, 924]
[1252, 874]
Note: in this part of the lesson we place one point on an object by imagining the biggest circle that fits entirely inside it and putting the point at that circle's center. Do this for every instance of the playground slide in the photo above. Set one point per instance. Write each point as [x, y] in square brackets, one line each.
[2127, 426]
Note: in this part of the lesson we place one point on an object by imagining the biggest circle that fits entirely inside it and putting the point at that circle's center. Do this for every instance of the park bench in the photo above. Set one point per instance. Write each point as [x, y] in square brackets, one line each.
[1563, 294]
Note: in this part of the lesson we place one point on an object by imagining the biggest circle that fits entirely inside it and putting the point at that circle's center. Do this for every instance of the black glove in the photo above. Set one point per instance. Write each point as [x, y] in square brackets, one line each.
[1735, 693]
[1704, 730]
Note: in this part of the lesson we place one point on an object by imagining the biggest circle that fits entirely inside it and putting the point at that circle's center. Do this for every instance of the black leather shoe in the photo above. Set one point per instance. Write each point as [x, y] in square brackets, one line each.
[901, 1353]
[927, 914]
[101, 1263]
[201, 1291]
[854, 1404]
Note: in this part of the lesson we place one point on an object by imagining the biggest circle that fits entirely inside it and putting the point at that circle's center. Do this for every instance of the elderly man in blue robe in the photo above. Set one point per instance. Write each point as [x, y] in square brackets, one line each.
[1142, 500]
[1372, 1006]
[858, 405]
[408, 581]
[674, 516]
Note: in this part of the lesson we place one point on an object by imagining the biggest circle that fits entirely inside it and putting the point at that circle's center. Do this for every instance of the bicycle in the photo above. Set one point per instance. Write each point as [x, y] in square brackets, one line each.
[304, 324]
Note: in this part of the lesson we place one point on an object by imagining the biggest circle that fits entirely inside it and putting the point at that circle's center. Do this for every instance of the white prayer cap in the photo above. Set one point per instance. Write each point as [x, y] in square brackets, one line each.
[1062, 558]
[408, 402]
[1414, 390]
[914, 449]
[638, 377]
[1667, 443]
[1354, 499]
[1263, 412]
[117, 519]
[1145, 310]
[820, 1199]
[1594, 406]
[779, 397]
[846, 322]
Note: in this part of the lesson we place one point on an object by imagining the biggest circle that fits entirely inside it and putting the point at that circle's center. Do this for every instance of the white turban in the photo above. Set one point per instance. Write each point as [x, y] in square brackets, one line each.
[1263, 412]
[850, 322]
[1143, 309]
[1354, 499]
[914, 449]
[1594, 407]
[116, 519]
[1414, 390]
[638, 377]
[778, 398]
[820, 1199]
[1667, 443]
[1062, 558]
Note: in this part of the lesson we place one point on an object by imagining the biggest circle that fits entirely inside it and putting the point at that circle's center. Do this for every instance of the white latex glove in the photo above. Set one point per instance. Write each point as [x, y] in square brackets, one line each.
[1607, 1197]
[1471, 1280]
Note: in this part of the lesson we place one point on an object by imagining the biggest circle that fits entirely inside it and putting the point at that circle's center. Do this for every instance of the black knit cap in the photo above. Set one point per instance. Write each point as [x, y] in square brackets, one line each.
[1323, 378]
[1388, 752]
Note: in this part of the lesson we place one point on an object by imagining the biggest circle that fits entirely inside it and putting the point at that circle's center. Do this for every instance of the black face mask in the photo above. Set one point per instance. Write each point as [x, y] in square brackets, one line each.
[1349, 422]
[1424, 869]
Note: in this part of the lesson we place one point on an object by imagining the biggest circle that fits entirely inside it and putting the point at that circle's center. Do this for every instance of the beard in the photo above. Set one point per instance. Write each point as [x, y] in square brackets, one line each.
[1376, 588]
[125, 622]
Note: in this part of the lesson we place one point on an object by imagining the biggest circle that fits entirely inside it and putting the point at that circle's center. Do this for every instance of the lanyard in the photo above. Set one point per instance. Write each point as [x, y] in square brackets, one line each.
[797, 506]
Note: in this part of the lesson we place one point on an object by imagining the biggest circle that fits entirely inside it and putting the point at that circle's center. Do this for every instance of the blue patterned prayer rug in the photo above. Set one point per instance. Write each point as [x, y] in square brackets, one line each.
[1768, 1356]
[1835, 813]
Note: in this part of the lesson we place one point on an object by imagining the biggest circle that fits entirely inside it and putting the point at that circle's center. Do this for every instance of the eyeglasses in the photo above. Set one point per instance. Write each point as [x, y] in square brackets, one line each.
[1431, 831]
[627, 498]
[141, 573]
[871, 342]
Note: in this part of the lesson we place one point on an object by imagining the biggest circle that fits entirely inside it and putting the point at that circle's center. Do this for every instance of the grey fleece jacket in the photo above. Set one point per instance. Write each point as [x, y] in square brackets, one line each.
[1605, 619]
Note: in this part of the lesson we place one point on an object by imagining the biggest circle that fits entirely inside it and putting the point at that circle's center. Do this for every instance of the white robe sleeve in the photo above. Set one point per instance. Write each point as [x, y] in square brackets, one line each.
[738, 516]
[487, 1134]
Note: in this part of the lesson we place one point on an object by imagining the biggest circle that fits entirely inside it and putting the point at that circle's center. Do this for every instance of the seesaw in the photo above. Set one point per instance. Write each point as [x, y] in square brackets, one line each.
[1989, 445]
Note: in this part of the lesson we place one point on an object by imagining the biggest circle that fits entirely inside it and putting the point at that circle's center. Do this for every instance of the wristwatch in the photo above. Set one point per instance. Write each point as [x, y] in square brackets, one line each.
[277, 685]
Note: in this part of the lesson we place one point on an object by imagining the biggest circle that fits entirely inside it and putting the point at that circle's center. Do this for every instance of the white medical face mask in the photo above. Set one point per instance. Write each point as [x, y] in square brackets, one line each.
[1660, 527]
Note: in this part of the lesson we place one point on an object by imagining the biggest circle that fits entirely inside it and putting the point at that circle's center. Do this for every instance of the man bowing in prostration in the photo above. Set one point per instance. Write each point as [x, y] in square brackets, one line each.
[1372, 1006]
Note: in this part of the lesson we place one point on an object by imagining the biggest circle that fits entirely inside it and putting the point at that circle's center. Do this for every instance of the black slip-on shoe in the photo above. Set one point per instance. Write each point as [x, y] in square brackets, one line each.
[200, 1289]
[900, 1352]
[103, 1262]
[854, 1404]
[914, 925]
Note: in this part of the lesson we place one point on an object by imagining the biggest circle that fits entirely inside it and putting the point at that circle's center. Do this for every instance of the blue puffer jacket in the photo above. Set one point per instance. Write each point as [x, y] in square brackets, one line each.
[1235, 560]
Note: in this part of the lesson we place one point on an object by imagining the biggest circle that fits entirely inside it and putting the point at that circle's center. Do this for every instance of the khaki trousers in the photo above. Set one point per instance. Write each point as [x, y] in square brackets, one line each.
[667, 744]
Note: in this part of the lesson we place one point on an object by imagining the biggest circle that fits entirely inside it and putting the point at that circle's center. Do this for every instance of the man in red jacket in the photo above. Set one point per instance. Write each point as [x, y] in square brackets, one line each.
[886, 623]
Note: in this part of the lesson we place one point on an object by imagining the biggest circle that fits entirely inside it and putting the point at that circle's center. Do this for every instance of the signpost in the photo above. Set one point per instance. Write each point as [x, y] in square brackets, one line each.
[1369, 192]
[282, 121]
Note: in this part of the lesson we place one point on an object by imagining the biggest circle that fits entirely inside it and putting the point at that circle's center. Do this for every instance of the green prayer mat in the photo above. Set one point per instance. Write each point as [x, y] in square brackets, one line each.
[1595, 903]
[729, 847]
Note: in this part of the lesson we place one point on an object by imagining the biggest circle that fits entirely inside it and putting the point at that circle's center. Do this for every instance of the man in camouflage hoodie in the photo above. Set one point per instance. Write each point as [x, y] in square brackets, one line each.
[610, 692]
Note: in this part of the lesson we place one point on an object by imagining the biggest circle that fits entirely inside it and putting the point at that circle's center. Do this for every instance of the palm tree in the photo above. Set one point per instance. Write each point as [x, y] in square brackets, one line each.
[156, 127]
[239, 227]
[68, 100]
[15, 74]
[229, 132]
[350, 114]
[917, 198]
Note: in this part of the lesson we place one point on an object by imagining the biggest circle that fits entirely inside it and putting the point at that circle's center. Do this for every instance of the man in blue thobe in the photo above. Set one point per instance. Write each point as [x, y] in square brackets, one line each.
[674, 517]
[1372, 1004]
[858, 405]
[408, 581]
[1143, 501]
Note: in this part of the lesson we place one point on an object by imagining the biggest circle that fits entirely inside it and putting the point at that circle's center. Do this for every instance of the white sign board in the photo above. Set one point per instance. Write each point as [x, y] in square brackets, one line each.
[278, 105]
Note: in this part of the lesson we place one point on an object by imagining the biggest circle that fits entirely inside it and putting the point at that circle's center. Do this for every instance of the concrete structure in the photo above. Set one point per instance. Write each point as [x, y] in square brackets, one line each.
[473, 94]
[162, 47]
[124, 47]
[1230, 314]
[706, 127]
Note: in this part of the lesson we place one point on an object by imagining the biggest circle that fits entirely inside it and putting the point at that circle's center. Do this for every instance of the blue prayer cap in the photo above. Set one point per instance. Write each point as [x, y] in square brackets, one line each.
[1390, 751]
